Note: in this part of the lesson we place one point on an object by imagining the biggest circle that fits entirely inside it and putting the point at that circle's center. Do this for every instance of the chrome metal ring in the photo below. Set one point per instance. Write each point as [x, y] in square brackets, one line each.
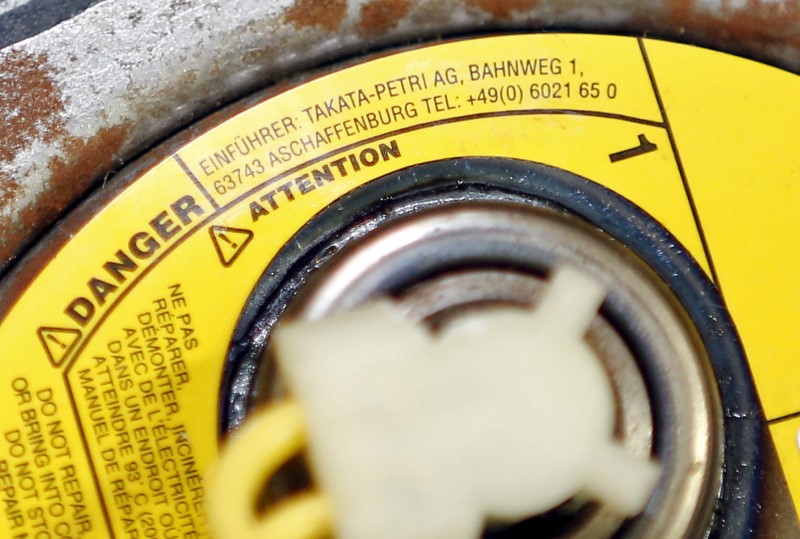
[514, 241]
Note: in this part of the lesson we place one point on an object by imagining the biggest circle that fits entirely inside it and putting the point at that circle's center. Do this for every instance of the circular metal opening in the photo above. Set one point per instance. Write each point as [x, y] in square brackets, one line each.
[646, 248]
[441, 263]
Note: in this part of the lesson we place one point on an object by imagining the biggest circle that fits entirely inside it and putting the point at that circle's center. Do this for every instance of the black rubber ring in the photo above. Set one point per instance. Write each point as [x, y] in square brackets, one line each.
[478, 178]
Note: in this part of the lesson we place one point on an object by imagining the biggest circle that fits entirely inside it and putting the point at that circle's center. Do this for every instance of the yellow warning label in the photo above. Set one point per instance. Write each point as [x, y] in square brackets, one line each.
[229, 242]
[113, 355]
[58, 343]
[786, 435]
[451, 84]
[739, 146]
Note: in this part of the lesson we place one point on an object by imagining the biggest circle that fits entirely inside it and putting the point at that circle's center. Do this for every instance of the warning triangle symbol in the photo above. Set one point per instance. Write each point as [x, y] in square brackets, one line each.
[58, 342]
[229, 242]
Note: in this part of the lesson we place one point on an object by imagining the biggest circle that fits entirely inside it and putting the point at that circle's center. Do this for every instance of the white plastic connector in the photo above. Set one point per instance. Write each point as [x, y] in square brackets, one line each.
[503, 415]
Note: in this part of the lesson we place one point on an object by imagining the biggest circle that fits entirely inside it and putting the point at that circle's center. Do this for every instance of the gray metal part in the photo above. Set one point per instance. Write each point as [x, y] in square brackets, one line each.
[21, 19]
[89, 94]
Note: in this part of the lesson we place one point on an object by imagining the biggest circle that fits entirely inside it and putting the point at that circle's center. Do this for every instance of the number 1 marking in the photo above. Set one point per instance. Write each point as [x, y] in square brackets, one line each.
[645, 146]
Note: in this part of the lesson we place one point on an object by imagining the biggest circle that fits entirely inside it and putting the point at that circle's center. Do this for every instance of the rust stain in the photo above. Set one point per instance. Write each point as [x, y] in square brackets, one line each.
[85, 160]
[755, 22]
[325, 14]
[503, 9]
[31, 104]
[31, 108]
[9, 188]
[95, 154]
[682, 9]
[379, 16]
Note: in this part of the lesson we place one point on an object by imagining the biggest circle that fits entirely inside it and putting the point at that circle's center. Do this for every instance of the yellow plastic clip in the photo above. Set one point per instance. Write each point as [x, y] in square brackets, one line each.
[252, 455]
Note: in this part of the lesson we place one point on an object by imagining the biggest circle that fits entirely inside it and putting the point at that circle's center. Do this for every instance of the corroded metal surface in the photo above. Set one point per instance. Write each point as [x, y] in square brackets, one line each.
[84, 97]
